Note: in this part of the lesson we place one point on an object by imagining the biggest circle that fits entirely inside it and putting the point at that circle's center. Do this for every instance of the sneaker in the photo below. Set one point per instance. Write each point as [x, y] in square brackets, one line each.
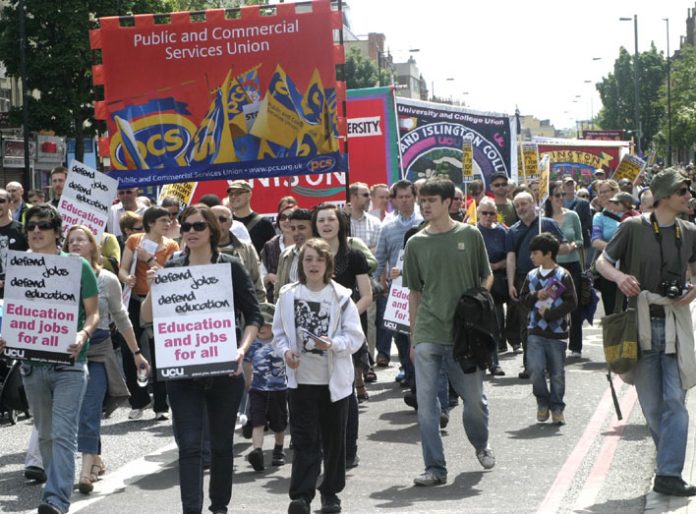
[400, 376]
[298, 506]
[542, 414]
[35, 473]
[557, 417]
[330, 503]
[524, 375]
[429, 479]
[411, 400]
[486, 458]
[516, 348]
[255, 458]
[136, 414]
[575, 355]
[497, 371]
[161, 416]
[48, 508]
[444, 420]
[352, 463]
[278, 458]
[673, 486]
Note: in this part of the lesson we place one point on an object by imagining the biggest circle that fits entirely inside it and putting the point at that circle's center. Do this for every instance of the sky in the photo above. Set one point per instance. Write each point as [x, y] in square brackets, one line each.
[536, 54]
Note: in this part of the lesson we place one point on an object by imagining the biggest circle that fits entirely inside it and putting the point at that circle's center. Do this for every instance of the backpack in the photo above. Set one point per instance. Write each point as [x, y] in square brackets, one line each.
[475, 329]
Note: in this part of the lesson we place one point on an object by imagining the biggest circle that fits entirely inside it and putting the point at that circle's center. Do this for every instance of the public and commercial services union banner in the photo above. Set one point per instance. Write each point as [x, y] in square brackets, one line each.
[245, 93]
[432, 135]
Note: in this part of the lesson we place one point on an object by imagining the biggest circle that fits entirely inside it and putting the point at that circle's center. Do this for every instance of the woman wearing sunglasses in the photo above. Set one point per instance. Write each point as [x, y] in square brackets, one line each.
[569, 221]
[104, 373]
[218, 396]
[156, 222]
[270, 254]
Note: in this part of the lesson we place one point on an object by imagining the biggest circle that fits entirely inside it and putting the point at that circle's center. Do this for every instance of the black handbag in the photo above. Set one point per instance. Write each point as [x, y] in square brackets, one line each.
[586, 285]
[500, 290]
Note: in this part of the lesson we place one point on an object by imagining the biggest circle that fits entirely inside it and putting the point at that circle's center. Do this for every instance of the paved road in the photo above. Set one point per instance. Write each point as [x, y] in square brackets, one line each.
[594, 464]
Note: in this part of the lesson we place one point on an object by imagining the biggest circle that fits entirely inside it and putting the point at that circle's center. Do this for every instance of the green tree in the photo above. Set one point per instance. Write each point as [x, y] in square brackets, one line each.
[360, 71]
[683, 101]
[617, 93]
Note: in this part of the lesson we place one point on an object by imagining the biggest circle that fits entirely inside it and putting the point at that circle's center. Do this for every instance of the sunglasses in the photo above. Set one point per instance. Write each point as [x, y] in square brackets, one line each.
[138, 228]
[283, 217]
[222, 219]
[499, 184]
[3, 200]
[681, 191]
[198, 226]
[488, 213]
[41, 225]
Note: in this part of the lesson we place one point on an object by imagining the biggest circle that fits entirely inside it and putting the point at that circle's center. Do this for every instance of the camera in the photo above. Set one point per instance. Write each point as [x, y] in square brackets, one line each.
[672, 288]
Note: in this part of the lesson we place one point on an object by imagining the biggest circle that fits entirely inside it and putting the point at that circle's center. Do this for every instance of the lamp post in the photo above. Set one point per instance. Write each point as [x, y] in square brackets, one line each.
[636, 85]
[669, 98]
[28, 182]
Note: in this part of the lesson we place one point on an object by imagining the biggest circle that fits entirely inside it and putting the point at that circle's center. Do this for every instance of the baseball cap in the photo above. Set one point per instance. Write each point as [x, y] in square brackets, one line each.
[499, 174]
[238, 184]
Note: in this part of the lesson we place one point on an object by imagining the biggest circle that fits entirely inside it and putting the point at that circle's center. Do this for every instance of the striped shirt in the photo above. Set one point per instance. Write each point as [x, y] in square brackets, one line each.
[367, 228]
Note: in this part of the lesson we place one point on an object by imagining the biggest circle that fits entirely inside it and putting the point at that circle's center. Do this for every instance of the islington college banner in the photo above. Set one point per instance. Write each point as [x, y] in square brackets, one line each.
[223, 94]
[432, 136]
[372, 146]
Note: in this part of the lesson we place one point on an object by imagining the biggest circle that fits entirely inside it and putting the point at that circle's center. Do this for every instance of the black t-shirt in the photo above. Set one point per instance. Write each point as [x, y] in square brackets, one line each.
[11, 238]
[348, 267]
[260, 232]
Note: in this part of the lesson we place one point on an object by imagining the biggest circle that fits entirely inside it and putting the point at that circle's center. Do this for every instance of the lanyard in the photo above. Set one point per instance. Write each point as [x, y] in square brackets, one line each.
[658, 236]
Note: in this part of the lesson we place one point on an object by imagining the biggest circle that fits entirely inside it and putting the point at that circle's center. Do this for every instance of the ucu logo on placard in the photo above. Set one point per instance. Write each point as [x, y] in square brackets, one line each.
[14, 353]
[172, 372]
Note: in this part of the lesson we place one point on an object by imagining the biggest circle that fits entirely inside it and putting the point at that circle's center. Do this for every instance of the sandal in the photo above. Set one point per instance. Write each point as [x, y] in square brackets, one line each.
[85, 484]
[362, 394]
[98, 462]
[370, 376]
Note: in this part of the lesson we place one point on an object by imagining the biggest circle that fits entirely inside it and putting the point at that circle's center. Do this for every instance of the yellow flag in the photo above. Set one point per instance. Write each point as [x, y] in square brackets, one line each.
[471, 216]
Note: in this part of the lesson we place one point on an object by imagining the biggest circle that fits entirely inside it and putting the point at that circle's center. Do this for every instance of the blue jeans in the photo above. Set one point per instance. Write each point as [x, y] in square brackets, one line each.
[443, 389]
[55, 395]
[190, 400]
[469, 386]
[384, 336]
[662, 400]
[88, 438]
[546, 354]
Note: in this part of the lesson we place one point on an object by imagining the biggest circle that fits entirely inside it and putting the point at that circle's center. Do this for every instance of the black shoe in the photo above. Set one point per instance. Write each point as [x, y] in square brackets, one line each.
[47, 508]
[278, 458]
[352, 463]
[255, 458]
[516, 347]
[523, 374]
[497, 371]
[444, 420]
[247, 429]
[330, 503]
[673, 486]
[410, 400]
[35, 473]
[453, 402]
[298, 506]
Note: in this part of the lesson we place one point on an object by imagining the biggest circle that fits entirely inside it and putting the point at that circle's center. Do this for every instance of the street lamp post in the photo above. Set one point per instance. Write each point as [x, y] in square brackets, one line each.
[28, 182]
[669, 98]
[636, 85]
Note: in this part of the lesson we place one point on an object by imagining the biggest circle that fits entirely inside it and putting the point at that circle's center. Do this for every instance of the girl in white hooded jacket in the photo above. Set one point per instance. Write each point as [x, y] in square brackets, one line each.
[316, 328]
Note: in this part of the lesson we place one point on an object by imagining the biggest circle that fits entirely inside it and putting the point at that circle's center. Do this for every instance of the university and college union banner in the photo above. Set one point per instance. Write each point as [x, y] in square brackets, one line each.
[373, 150]
[432, 136]
[222, 94]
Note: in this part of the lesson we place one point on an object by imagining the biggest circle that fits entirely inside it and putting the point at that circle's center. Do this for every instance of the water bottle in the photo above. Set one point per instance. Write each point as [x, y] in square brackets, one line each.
[143, 376]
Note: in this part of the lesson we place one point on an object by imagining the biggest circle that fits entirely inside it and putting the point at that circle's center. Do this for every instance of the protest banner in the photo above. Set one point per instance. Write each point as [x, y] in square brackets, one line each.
[182, 191]
[194, 323]
[579, 159]
[604, 135]
[630, 167]
[222, 94]
[42, 295]
[530, 154]
[544, 179]
[467, 162]
[86, 199]
[373, 150]
[396, 314]
[432, 135]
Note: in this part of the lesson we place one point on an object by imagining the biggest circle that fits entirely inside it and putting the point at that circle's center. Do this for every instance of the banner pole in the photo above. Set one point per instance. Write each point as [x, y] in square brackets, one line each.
[398, 136]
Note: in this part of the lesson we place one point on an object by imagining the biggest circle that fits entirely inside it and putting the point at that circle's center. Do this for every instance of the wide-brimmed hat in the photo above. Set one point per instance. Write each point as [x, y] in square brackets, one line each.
[667, 182]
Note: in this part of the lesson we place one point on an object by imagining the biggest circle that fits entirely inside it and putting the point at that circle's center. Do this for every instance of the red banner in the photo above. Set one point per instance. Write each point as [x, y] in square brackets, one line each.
[222, 94]
[580, 162]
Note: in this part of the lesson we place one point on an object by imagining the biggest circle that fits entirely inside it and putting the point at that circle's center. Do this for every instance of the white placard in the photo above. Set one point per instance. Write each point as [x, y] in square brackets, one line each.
[396, 315]
[42, 295]
[87, 198]
[194, 325]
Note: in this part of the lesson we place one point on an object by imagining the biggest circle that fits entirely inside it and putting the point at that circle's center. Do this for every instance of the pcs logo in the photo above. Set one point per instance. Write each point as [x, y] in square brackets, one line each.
[321, 164]
[161, 139]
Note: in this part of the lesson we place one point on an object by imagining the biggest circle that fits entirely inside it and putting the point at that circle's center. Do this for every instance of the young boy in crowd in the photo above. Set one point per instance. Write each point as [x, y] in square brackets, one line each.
[549, 294]
[265, 374]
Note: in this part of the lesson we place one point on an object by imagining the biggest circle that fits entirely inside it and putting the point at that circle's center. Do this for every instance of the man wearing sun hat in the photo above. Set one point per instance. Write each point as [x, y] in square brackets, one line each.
[239, 197]
[654, 249]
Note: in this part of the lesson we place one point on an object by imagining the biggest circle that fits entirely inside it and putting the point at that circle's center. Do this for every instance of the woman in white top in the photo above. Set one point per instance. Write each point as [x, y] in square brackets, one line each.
[317, 328]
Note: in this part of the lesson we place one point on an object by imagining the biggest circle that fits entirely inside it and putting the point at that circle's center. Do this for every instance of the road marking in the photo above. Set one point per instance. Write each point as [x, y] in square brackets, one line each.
[600, 470]
[567, 474]
[128, 474]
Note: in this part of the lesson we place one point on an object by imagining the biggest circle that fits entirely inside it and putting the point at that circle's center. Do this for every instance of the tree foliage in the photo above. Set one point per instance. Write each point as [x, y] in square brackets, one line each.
[59, 57]
[360, 71]
[617, 93]
[683, 78]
